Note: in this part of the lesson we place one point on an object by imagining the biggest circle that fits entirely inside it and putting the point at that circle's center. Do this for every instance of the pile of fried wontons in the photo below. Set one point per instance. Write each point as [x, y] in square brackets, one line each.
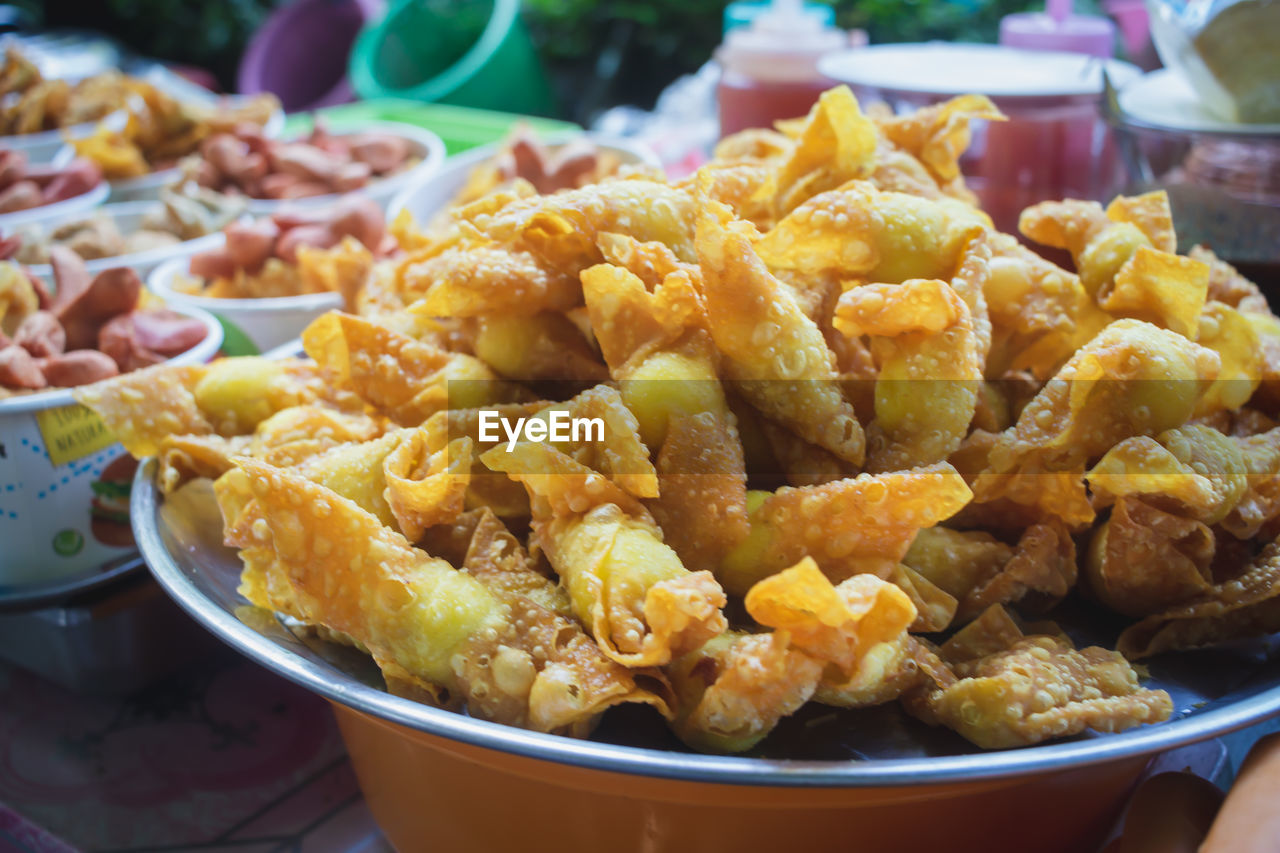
[854, 438]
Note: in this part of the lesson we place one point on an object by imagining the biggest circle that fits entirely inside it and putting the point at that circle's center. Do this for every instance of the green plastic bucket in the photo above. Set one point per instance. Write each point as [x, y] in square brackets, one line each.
[474, 54]
[461, 128]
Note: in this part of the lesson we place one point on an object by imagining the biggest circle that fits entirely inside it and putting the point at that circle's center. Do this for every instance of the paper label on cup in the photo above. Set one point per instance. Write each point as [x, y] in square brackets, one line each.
[72, 432]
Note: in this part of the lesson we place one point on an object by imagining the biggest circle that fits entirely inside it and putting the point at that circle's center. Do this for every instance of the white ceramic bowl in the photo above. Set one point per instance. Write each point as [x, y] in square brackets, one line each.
[423, 144]
[55, 453]
[128, 216]
[266, 323]
[59, 210]
[148, 187]
[427, 195]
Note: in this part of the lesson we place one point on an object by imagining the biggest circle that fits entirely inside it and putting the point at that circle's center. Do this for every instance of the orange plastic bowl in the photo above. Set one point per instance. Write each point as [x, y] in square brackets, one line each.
[432, 793]
[437, 780]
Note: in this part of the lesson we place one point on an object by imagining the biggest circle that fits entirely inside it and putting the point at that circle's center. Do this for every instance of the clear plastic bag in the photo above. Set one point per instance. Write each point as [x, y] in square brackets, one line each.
[1229, 50]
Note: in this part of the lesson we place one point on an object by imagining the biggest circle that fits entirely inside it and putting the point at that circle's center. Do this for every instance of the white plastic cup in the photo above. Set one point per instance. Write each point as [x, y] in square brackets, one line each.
[55, 452]
[263, 323]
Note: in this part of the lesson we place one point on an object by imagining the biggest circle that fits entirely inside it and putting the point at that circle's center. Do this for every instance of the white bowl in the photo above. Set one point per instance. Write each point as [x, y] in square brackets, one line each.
[128, 216]
[266, 323]
[78, 204]
[427, 195]
[45, 523]
[422, 144]
[144, 187]
[148, 187]
[41, 147]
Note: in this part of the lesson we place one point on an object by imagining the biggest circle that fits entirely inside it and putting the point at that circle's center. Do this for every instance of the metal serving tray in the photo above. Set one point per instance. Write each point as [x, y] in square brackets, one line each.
[1214, 691]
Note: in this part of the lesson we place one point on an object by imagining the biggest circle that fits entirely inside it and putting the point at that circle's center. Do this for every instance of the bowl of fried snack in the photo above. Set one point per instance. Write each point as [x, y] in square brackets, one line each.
[374, 159]
[140, 235]
[561, 161]
[266, 279]
[32, 193]
[789, 505]
[142, 155]
[39, 115]
[64, 480]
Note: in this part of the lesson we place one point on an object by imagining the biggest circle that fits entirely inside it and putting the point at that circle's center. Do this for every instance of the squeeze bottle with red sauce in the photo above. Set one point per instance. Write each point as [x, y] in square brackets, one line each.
[769, 70]
[1051, 147]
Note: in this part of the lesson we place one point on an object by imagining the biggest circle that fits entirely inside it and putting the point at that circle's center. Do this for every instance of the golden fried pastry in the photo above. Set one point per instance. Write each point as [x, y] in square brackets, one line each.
[826, 408]
[1040, 687]
[377, 589]
[1243, 606]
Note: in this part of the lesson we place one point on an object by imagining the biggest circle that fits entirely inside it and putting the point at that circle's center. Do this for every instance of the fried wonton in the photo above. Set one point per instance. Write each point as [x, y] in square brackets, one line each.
[363, 579]
[861, 524]
[923, 340]
[732, 691]
[1040, 688]
[981, 571]
[776, 355]
[407, 379]
[1247, 605]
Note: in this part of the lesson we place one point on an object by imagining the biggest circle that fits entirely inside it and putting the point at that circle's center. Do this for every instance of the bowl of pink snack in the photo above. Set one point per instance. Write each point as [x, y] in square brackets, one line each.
[376, 160]
[31, 193]
[63, 499]
[270, 277]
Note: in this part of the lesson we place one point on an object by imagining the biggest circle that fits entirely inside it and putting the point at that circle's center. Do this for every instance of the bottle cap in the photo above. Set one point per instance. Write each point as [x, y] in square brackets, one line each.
[1057, 28]
[743, 12]
[782, 44]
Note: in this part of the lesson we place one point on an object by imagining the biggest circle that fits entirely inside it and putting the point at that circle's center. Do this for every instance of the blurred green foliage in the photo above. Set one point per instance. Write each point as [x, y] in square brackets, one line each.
[600, 52]
[646, 45]
[684, 32]
[209, 34]
[679, 32]
[924, 20]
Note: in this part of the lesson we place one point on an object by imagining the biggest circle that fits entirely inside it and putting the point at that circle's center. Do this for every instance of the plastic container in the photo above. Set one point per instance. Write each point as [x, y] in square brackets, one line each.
[1134, 26]
[44, 147]
[428, 792]
[144, 187]
[1223, 178]
[147, 187]
[301, 52]
[1229, 50]
[743, 12]
[110, 642]
[25, 599]
[476, 54]
[461, 128]
[128, 218]
[251, 326]
[1054, 144]
[57, 211]
[57, 462]
[423, 144]
[769, 69]
[41, 147]
[426, 197]
[1057, 28]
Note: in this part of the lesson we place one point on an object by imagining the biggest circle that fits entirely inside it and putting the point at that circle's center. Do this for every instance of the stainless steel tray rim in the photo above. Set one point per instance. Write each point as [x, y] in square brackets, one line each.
[340, 687]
